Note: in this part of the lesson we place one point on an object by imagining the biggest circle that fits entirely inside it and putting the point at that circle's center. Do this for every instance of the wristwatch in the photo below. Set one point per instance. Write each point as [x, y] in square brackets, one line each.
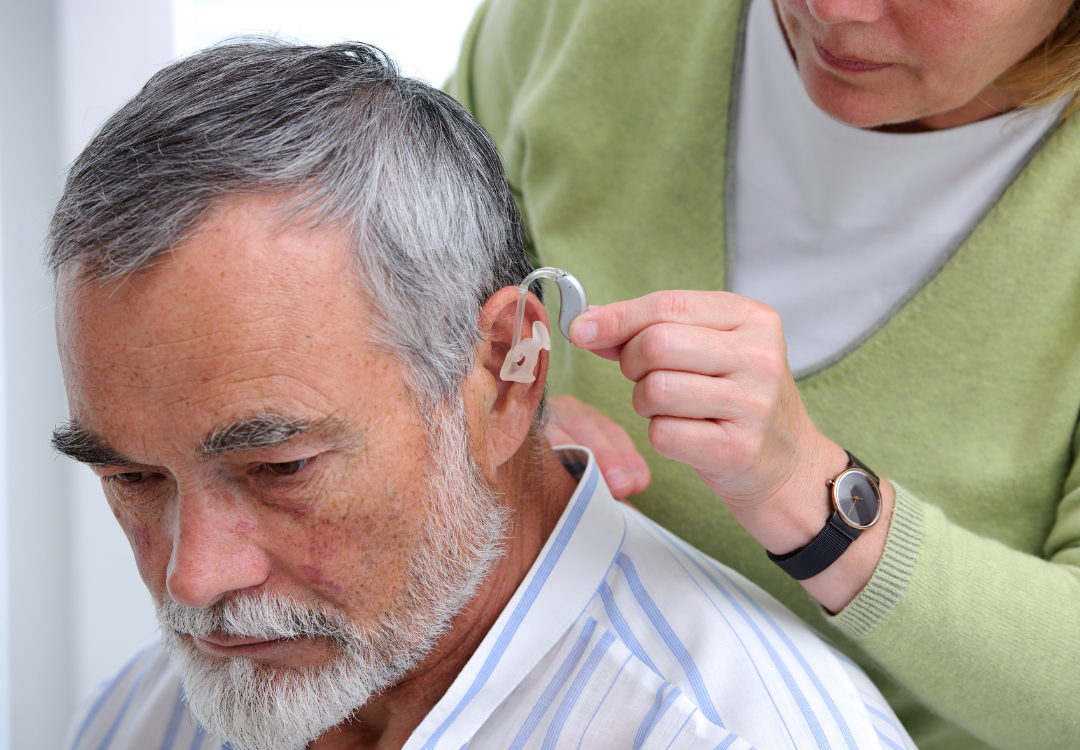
[856, 500]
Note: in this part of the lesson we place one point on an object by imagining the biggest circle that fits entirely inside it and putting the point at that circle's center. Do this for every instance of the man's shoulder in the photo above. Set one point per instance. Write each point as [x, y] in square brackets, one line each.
[651, 554]
[590, 691]
[141, 706]
[675, 650]
[745, 661]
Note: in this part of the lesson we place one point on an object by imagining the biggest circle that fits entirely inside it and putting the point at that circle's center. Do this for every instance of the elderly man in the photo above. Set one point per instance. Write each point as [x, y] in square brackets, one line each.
[284, 294]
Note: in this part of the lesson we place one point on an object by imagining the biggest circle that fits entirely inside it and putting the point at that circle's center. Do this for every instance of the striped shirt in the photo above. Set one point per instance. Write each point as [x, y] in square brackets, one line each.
[620, 636]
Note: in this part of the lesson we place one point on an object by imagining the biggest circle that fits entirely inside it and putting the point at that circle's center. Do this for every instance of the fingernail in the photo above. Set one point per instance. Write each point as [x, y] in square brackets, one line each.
[584, 332]
[618, 478]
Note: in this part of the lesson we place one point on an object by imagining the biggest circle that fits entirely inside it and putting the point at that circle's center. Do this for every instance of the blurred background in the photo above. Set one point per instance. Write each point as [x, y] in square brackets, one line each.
[72, 607]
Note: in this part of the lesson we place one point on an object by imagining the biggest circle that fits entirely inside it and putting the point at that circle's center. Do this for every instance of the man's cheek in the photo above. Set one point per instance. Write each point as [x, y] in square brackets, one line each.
[139, 537]
[151, 555]
[136, 522]
[358, 560]
[142, 525]
[321, 581]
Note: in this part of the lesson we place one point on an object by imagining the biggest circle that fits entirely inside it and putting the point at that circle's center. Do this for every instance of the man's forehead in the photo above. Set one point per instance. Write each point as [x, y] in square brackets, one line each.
[241, 280]
[243, 315]
[241, 247]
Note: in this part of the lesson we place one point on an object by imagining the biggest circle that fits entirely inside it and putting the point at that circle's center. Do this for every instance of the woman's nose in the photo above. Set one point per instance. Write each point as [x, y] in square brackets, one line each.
[213, 552]
[846, 11]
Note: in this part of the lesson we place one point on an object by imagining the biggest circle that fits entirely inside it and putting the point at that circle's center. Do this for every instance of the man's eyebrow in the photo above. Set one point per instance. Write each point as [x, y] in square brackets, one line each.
[263, 430]
[75, 441]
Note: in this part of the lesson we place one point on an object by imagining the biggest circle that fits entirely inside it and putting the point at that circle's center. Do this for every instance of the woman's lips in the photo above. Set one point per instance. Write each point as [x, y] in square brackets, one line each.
[847, 64]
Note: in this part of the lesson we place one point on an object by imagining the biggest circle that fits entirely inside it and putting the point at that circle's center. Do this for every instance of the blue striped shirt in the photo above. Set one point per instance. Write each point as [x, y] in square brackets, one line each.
[620, 636]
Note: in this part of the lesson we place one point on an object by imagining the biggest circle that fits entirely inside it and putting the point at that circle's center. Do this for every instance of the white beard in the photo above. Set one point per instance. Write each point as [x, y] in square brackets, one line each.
[260, 707]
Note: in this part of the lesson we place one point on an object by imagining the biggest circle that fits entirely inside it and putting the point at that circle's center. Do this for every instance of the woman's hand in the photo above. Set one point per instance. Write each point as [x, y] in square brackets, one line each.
[577, 423]
[711, 374]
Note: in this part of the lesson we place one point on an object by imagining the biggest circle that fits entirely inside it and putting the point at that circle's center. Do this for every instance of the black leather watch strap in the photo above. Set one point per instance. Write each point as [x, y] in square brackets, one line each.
[828, 545]
[833, 540]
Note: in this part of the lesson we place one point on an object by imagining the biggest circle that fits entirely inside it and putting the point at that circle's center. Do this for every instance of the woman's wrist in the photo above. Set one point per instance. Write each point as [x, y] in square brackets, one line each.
[797, 512]
[837, 585]
[793, 514]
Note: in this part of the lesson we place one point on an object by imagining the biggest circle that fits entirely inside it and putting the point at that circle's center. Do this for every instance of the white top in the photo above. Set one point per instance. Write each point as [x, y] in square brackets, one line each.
[836, 226]
[621, 636]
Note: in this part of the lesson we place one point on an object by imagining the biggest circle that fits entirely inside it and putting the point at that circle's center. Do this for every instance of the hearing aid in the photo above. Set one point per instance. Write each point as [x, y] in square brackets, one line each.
[521, 360]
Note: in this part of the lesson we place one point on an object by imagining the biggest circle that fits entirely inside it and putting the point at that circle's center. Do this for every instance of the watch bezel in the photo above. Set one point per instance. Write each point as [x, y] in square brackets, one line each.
[835, 482]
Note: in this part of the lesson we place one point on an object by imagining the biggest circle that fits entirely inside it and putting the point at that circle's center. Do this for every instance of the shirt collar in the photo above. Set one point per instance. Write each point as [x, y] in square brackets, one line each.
[559, 585]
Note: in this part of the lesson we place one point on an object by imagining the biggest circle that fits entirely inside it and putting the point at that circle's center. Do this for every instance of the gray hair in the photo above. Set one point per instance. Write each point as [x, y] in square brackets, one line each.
[401, 166]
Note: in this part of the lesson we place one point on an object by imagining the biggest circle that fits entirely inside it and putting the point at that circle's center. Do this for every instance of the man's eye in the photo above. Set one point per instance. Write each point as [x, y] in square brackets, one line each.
[132, 477]
[287, 468]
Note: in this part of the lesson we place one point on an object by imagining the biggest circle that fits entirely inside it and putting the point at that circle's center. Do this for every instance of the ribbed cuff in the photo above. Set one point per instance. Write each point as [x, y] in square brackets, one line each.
[874, 603]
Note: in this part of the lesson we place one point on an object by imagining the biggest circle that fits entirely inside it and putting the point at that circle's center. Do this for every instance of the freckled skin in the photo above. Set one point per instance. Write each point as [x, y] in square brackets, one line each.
[946, 54]
[138, 536]
[249, 317]
[317, 577]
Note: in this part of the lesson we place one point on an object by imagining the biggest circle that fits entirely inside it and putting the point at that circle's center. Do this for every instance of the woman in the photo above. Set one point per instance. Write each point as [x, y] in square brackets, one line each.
[889, 187]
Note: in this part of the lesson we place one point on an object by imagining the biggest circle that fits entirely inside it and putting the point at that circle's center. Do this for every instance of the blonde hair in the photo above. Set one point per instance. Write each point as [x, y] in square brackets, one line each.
[1051, 71]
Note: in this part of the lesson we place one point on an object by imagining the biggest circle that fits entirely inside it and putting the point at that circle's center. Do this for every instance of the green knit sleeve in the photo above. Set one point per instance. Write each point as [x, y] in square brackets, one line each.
[986, 636]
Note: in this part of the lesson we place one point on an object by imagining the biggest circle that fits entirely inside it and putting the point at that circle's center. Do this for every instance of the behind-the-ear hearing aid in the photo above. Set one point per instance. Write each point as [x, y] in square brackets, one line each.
[521, 360]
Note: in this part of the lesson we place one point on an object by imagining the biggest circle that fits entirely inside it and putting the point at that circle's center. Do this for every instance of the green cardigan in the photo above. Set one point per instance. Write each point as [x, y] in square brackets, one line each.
[613, 119]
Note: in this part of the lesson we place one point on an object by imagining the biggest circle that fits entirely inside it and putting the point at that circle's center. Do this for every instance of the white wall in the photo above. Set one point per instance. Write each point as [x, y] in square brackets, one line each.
[424, 36]
[109, 48]
[39, 645]
[75, 607]
[5, 641]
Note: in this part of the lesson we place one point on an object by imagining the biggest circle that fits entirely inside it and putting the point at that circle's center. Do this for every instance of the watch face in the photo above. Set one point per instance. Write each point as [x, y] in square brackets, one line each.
[857, 498]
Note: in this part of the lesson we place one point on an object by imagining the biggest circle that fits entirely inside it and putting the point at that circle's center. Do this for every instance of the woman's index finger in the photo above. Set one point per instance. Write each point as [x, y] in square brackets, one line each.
[612, 325]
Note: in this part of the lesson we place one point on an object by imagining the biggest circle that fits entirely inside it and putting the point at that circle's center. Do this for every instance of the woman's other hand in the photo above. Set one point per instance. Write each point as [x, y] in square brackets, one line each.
[576, 423]
[711, 374]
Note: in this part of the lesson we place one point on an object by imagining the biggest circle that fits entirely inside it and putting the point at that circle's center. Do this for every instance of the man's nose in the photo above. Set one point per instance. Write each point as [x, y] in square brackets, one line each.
[846, 11]
[214, 551]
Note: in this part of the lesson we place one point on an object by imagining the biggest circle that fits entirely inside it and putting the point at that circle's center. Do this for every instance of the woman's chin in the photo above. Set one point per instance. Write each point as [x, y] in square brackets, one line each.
[895, 107]
[859, 106]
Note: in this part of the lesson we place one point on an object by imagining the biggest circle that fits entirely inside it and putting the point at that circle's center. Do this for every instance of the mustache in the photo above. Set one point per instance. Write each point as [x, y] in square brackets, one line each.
[256, 615]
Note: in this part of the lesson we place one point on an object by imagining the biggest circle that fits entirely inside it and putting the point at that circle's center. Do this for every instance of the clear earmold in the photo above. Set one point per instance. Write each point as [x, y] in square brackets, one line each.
[520, 364]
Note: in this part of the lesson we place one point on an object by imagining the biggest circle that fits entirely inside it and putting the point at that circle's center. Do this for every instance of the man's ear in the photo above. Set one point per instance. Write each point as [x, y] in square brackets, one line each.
[501, 412]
